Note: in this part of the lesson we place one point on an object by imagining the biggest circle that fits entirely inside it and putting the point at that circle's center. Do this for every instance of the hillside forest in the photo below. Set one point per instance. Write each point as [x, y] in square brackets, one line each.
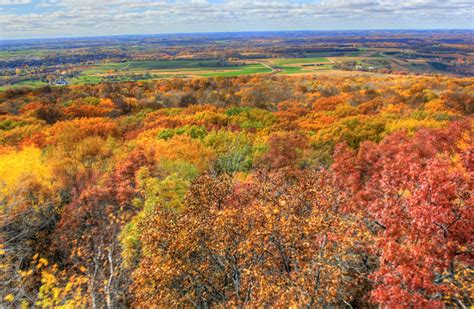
[250, 191]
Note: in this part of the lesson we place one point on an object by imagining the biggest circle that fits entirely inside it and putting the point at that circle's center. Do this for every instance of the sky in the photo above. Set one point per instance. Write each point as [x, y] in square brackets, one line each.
[21, 19]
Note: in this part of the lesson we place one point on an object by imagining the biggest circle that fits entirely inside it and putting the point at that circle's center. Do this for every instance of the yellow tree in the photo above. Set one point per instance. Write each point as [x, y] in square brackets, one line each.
[27, 211]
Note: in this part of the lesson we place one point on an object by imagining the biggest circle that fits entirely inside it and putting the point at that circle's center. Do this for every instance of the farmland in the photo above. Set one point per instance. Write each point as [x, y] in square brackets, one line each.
[121, 59]
[157, 69]
[136, 70]
[176, 68]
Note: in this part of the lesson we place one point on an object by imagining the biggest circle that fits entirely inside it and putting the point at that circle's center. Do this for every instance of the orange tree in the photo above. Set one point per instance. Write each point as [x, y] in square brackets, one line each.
[273, 240]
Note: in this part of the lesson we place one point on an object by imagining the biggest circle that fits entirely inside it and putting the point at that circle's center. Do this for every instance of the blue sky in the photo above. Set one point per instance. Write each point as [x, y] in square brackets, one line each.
[66, 18]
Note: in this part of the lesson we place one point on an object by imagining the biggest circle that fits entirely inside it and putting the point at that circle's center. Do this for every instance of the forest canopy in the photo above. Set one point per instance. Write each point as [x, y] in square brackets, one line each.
[254, 191]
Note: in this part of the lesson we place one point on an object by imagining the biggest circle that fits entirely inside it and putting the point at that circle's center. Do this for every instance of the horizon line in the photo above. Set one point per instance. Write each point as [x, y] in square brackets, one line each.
[234, 32]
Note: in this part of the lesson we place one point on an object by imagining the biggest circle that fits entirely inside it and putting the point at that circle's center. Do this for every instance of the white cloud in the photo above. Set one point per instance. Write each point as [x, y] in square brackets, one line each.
[89, 17]
[14, 2]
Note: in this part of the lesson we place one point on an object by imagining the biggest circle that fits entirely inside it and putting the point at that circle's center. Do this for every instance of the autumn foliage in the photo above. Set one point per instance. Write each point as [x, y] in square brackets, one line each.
[239, 192]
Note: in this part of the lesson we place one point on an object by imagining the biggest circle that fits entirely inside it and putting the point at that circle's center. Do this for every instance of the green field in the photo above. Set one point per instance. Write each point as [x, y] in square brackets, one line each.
[86, 79]
[8, 54]
[205, 68]
[302, 69]
[26, 83]
[241, 70]
[289, 70]
[163, 65]
[297, 65]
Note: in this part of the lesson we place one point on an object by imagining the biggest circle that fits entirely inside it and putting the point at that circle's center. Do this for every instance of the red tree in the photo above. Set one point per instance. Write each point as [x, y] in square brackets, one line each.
[417, 194]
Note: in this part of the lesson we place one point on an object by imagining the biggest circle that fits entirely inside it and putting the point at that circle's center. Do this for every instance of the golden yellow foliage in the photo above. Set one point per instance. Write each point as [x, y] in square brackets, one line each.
[18, 168]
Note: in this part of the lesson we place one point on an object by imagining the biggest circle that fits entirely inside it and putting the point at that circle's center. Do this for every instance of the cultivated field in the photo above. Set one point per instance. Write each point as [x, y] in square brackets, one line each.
[43, 65]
